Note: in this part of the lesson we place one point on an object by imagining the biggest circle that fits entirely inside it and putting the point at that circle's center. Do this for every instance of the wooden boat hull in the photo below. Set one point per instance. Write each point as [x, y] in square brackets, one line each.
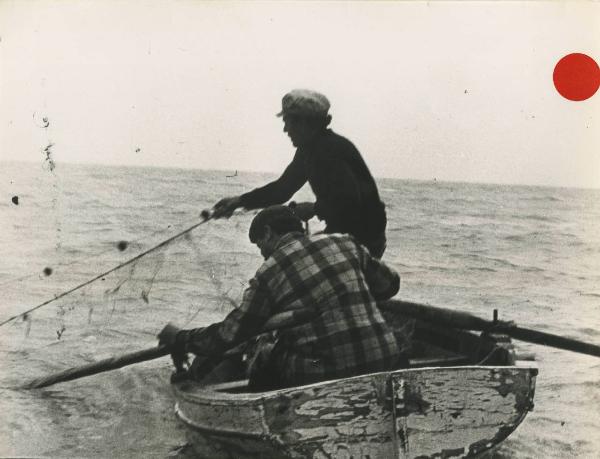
[456, 411]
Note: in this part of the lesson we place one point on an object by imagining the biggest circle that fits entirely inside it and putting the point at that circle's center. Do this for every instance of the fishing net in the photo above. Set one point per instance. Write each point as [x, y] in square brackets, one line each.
[85, 274]
[96, 305]
[97, 260]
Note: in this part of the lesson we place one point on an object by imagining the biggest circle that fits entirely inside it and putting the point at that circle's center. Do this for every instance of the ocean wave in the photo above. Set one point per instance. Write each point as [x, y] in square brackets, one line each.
[524, 237]
[73, 251]
[589, 331]
[466, 221]
[482, 268]
[498, 262]
[436, 268]
[461, 202]
[404, 228]
[484, 258]
[591, 294]
[544, 199]
[577, 243]
[532, 269]
[100, 175]
[537, 218]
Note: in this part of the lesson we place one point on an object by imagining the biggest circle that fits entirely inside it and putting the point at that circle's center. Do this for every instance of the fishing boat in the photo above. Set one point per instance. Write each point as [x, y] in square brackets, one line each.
[462, 394]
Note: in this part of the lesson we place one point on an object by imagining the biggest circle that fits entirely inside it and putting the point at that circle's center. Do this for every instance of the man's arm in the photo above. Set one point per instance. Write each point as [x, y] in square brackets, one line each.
[275, 192]
[280, 190]
[241, 324]
[382, 280]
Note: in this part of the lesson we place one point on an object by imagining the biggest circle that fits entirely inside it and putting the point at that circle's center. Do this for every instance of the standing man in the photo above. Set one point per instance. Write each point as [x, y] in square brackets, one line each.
[334, 283]
[346, 195]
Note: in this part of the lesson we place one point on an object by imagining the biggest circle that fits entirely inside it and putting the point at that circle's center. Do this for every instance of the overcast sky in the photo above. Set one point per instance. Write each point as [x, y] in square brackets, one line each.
[445, 90]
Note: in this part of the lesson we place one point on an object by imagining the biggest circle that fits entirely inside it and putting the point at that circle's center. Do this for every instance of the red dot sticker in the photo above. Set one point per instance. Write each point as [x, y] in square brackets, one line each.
[576, 76]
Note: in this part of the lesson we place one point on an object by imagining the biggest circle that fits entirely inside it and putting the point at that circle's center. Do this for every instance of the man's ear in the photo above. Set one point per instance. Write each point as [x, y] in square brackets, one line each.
[268, 232]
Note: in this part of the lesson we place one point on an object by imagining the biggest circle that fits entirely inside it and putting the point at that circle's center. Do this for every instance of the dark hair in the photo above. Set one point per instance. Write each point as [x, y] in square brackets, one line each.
[315, 121]
[281, 219]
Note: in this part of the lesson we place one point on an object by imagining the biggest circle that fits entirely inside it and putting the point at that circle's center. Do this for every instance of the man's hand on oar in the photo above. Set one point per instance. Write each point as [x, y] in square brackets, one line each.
[168, 344]
[168, 337]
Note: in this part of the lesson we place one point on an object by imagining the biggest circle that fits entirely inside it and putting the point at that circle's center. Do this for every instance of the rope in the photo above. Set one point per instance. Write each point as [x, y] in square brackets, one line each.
[205, 214]
[63, 265]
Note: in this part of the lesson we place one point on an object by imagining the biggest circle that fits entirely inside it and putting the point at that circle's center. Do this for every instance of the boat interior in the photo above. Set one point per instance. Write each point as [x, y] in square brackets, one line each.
[436, 346]
[426, 345]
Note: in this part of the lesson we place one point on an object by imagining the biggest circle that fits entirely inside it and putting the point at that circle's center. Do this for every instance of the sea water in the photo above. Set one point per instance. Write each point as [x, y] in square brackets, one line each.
[532, 253]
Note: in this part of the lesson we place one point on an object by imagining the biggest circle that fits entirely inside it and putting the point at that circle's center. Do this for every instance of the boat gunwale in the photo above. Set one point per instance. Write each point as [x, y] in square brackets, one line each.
[205, 393]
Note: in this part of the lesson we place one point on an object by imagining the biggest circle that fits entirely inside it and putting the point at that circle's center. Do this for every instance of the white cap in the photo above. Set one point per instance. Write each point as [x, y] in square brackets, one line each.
[304, 102]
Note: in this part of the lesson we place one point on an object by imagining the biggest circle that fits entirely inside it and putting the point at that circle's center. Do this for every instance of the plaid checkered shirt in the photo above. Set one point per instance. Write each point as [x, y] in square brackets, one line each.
[339, 282]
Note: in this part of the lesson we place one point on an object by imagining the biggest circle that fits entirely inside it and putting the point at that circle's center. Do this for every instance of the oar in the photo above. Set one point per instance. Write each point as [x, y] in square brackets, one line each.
[111, 363]
[465, 321]
[278, 321]
[441, 316]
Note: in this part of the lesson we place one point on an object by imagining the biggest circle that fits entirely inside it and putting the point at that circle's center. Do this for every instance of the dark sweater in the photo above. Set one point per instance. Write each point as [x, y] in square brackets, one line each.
[346, 195]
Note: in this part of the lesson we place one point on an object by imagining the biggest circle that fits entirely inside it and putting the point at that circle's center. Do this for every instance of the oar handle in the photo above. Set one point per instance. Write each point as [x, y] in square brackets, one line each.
[548, 339]
[433, 314]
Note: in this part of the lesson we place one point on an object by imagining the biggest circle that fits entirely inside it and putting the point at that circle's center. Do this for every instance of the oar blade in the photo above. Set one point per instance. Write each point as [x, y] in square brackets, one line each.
[111, 363]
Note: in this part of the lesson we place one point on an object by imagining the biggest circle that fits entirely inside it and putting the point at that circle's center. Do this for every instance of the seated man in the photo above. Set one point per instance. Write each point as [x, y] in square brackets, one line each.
[332, 277]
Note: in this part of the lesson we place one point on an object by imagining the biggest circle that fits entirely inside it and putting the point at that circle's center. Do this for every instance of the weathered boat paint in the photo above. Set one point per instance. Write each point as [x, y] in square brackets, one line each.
[412, 413]
[459, 412]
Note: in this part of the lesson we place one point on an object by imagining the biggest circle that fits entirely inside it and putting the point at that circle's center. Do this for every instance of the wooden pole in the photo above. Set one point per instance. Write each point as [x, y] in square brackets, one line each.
[440, 316]
[465, 321]
[278, 321]
[111, 363]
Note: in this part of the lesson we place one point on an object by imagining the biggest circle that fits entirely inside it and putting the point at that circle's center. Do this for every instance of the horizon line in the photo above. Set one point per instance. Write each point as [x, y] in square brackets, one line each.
[180, 168]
